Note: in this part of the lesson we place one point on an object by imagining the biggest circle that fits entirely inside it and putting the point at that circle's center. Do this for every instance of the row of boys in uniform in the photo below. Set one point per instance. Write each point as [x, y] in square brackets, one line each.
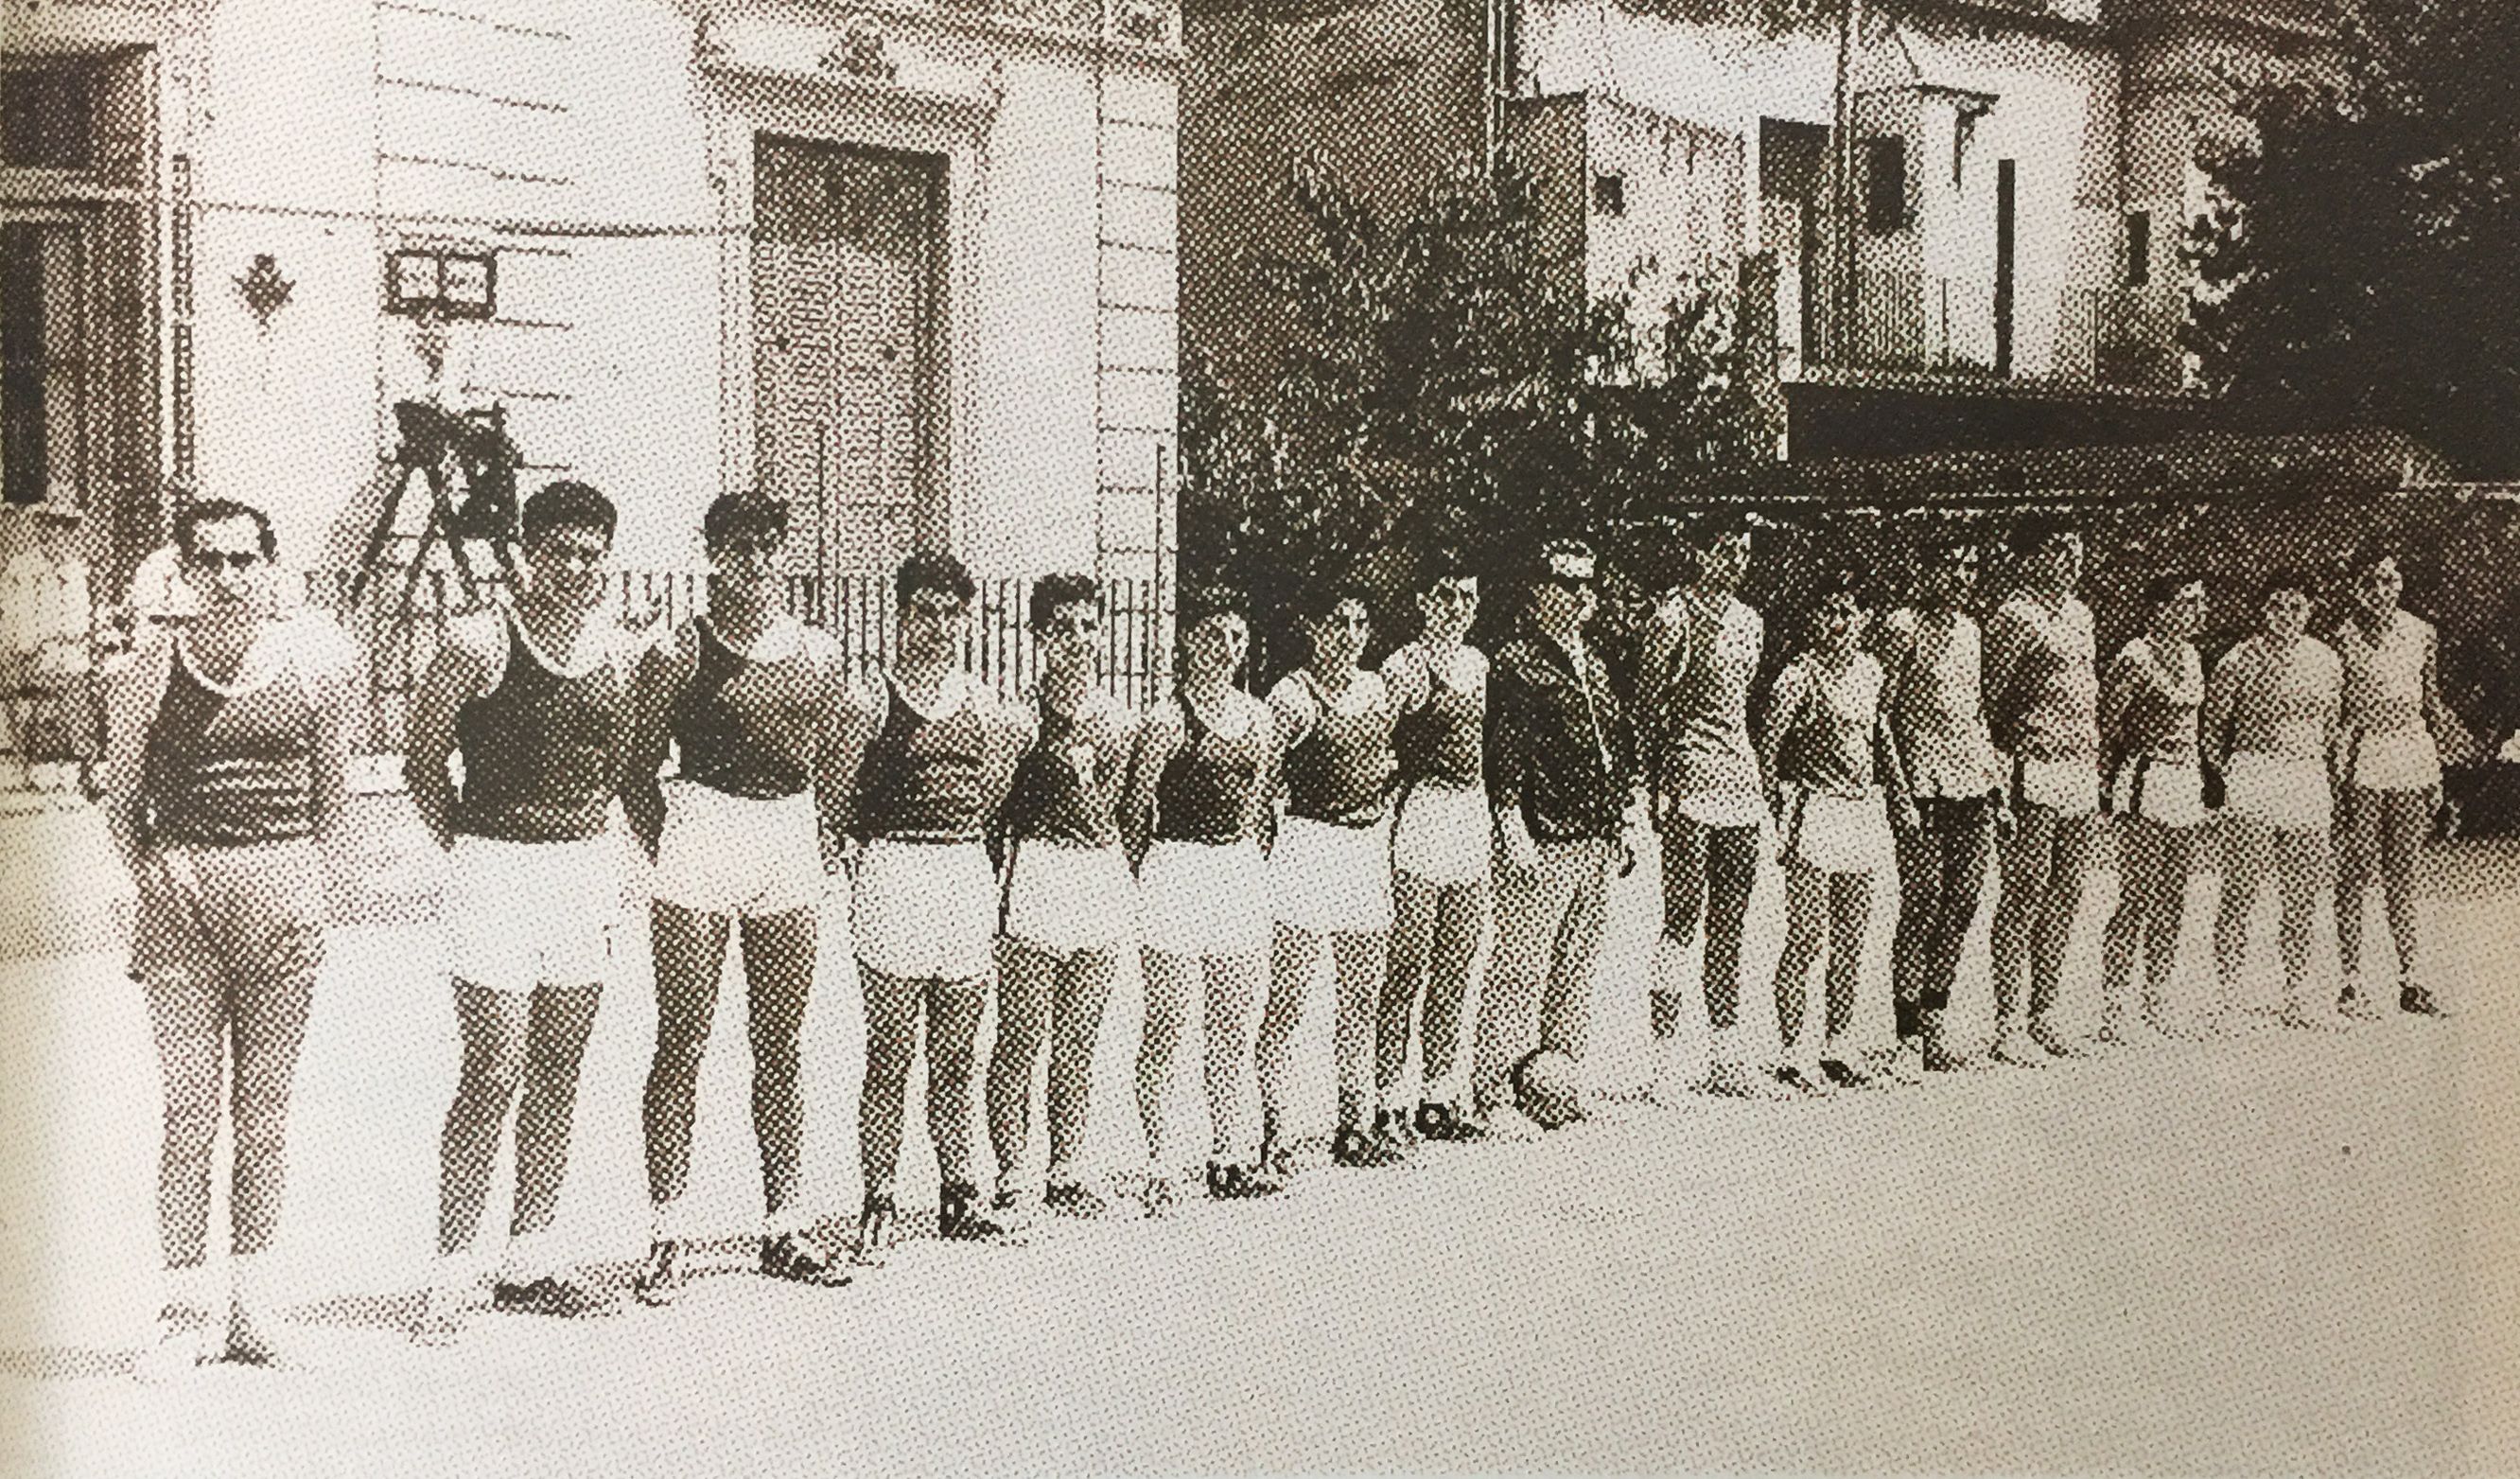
[1369, 813]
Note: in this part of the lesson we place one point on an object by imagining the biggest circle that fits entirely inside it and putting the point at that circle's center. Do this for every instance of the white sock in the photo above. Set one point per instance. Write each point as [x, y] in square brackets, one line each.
[250, 1280]
[527, 1259]
[788, 1220]
[451, 1273]
[665, 1220]
[192, 1289]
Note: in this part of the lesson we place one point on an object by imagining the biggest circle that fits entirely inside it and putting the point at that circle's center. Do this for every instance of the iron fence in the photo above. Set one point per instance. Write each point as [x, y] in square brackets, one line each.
[1924, 322]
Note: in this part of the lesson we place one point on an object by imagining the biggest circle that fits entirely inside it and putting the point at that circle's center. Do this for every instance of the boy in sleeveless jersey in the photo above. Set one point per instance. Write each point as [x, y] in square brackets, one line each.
[1440, 845]
[1701, 655]
[923, 761]
[747, 699]
[226, 753]
[1068, 903]
[1559, 765]
[2397, 733]
[1197, 800]
[2042, 694]
[1936, 713]
[1330, 871]
[533, 700]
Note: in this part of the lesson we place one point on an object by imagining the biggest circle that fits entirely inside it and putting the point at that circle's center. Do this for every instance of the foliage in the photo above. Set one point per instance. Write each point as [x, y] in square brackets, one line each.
[2361, 270]
[1444, 381]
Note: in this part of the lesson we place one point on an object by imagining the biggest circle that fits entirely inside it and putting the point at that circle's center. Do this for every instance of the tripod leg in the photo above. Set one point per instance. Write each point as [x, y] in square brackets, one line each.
[383, 531]
[443, 510]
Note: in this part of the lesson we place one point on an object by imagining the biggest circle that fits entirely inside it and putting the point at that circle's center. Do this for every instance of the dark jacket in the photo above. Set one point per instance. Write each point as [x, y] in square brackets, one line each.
[1566, 761]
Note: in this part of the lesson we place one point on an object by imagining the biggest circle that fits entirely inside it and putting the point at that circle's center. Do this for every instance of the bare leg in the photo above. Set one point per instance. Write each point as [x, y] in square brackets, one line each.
[1290, 970]
[1233, 990]
[2068, 878]
[1850, 918]
[1025, 981]
[954, 1010]
[1461, 913]
[494, 1029]
[2169, 919]
[560, 1019]
[1806, 933]
[2357, 867]
[269, 1025]
[892, 1012]
[1415, 905]
[187, 1016]
[1170, 980]
[690, 949]
[2299, 864]
[1084, 989]
[2248, 847]
[778, 956]
[2141, 865]
[2405, 825]
[2026, 862]
[1357, 966]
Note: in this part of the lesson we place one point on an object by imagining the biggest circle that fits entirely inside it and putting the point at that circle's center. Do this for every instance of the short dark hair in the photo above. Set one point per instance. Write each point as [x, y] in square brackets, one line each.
[1834, 582]
[1051, 592]
[732, 514]
[2286, 577]
[1444, 562]
[935, 569]
[192, 516]
[1544, 558]
[1715, 527]
[1318, 598]
[2035, 531]
[2371, 552]
[2164, 589]
[1201, 602]
[1950, 544]
[566, 504]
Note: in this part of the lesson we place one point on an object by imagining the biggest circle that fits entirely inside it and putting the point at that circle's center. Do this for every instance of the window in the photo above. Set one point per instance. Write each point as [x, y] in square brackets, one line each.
[2139, 249]
[1610, 193]
[48, 116]
[43, 374]
[1886, 185]
[454, 284]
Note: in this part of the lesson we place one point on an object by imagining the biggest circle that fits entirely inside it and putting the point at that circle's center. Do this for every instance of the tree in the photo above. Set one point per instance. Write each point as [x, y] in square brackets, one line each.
[2362, 271]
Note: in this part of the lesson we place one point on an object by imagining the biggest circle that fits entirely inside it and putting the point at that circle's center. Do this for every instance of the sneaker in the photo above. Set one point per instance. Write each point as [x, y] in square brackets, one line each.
[1907, 1067]
[660, 1280]
[1074, 1200]
[798, 1259]
[1847, 1070]
[183, 1338]
[553, 1296]
[1501, 1121]
[2301, 1019]
[1441, 1122]
[1792, 1077]
[1938, 1056]
[1159, 1198]
[1228, 1182]
[878, 1224]
[2056, 1043]
[2358, 1004]
[251, 1342]
[2116, 1035]
[958, 1217]
[2417, 1002]
[1363, 1151]
[2015, 1048]
[1392, 1127]
[441, 1316]
[1729, 1079]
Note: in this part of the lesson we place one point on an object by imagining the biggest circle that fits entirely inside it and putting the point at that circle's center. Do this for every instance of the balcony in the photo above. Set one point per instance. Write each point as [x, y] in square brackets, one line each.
[2053, 335]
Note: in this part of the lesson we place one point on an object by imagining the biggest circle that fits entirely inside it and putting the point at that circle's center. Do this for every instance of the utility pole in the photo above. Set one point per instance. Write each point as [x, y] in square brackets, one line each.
[1841, 334]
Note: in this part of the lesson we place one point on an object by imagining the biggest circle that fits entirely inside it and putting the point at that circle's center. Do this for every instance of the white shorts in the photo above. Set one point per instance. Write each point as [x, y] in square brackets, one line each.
[2173, 795]
[2287, 795]
[1205, 898]
[522, 914]
[1062, 898]
[1836, 834]
[924, 911]
[1444, 834]
[737, 855]
[1327, 879]
[2402, 760]
[2071, 787]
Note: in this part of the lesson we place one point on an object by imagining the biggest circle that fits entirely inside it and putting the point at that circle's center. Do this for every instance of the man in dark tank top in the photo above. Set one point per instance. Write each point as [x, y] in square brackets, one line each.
[922, 763]
[532, 699]
[226, 751]
[1067, 903]
[746, 700]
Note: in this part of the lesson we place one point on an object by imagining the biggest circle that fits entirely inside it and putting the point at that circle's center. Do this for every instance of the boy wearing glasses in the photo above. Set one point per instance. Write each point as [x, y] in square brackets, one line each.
[533, 699]
[1558, 757]
[923, 761]
[747, 700]
[1068, 903]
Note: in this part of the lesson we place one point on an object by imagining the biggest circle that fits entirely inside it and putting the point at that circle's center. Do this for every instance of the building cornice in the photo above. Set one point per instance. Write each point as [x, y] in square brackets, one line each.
[1146, 31]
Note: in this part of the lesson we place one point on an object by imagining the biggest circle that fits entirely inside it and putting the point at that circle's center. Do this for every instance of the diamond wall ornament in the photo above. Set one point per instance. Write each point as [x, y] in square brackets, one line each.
[263, 289]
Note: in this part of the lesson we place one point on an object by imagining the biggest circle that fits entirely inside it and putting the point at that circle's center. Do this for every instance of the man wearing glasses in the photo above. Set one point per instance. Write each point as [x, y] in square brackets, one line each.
[1559, 758]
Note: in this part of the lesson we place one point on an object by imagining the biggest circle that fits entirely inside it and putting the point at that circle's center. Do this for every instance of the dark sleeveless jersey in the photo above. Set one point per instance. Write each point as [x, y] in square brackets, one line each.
[920, 780]
[749, 727]
[1444, 739]
[1206, 790]
[1056, 795]
[538, 750]
[1336, 773]
[231, 767]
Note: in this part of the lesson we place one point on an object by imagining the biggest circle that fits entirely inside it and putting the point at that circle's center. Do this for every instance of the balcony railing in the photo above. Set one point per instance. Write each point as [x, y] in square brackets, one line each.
[1923, 323]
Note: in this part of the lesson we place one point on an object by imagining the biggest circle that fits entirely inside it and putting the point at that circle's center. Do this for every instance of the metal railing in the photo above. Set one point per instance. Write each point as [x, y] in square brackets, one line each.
[1919, 322]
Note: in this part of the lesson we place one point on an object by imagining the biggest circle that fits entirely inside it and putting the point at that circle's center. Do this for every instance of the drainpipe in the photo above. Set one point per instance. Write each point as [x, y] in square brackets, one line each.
[1841, 193]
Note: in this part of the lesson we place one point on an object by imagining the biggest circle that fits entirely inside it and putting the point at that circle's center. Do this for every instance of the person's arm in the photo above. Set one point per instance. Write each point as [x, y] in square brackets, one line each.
[1508, 749]
[1786, 700]
[2006, 641]
[1158, 739]
[2458, 746]
[856, 718]
[134, 688]
[333, 683]
[460, 673]
[1009, 729]
[1892, 763]
[1410, 675]
[655, 684]
[2221, 694]
[1660, 654]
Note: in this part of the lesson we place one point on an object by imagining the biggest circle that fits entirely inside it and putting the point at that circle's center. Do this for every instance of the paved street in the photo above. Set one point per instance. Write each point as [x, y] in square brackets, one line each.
[2277, 1255]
